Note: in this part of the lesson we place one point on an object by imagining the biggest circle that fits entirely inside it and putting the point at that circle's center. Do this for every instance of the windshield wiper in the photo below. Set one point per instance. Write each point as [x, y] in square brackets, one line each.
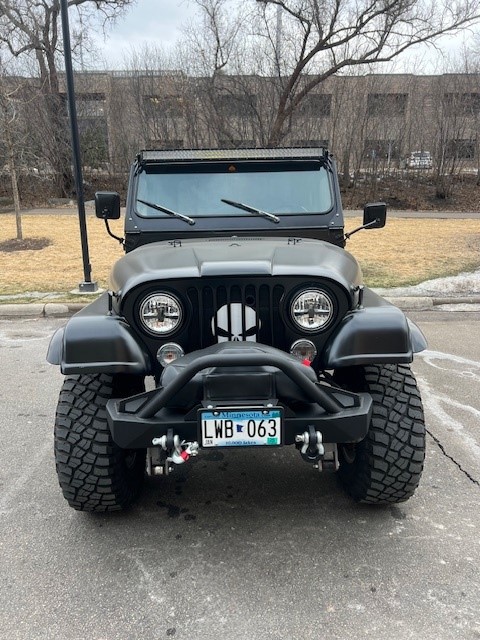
[158, 207]
[256, 212]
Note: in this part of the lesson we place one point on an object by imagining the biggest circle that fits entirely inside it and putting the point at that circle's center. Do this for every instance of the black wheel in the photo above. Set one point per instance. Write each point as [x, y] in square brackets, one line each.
[387, 465]
[93, 472]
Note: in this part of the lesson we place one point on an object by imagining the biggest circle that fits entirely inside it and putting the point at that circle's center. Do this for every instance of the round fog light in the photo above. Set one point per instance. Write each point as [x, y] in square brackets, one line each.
[303, 350]
[168, 353]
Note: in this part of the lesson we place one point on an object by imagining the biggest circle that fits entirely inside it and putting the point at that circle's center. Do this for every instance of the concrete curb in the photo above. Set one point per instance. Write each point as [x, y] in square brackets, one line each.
[411, 303]
[464, 300]
[39, 310]
[64, 310]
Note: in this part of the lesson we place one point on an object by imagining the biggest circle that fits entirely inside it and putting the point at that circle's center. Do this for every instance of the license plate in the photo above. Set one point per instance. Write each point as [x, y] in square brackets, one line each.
[240, 427]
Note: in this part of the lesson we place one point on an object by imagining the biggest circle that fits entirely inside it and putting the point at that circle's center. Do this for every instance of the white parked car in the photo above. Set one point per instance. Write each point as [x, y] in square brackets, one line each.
[419, 160]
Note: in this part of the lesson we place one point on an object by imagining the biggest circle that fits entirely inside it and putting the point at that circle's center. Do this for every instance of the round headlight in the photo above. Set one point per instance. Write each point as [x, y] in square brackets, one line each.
[161, 313]
[311, 310]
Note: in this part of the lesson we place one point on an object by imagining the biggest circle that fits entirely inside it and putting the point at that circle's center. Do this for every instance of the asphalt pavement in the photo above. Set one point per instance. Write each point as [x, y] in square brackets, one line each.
[242, 544]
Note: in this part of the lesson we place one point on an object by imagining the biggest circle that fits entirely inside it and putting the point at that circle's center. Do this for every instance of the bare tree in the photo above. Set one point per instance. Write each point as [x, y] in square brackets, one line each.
[319, 39]
[471, 65]
[455, 111]
[8, 122]
[13, 132]
[31, 30]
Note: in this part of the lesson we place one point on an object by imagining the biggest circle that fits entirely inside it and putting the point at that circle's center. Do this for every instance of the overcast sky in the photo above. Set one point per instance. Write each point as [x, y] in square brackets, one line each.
[156, 21]
[159, 22]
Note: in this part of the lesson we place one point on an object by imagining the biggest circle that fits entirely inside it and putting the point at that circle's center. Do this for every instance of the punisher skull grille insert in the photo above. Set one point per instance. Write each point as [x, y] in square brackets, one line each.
[259, 296]
[235, 322]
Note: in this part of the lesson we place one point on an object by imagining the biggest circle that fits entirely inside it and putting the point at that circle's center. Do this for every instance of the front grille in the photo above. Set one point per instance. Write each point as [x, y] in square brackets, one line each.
[252, 308]
[238, 311]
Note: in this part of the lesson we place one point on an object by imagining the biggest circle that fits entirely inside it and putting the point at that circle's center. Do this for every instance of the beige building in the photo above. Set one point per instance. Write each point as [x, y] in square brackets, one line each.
[364, 120]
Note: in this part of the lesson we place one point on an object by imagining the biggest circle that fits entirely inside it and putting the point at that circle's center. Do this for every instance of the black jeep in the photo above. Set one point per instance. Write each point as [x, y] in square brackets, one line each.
[237, 298]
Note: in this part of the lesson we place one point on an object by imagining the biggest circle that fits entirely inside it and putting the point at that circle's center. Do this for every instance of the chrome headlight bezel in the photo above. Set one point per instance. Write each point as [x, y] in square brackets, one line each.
[328, 312]
[166, 299]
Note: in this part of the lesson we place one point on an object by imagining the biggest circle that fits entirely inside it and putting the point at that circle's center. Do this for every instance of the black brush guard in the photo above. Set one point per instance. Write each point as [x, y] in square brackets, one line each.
[341, 416]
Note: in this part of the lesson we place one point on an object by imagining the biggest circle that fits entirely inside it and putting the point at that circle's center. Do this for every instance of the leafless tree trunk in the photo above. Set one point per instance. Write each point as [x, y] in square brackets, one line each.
[14, 181]
[31, 30]
[9, 119]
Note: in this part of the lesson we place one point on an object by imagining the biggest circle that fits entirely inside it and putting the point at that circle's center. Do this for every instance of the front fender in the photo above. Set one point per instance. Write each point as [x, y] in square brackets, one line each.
[378, 333]
[95, 342]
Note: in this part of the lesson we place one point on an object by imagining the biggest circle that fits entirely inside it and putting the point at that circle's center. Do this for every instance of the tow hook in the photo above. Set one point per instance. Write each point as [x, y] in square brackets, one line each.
[171, 449]
[312, 448]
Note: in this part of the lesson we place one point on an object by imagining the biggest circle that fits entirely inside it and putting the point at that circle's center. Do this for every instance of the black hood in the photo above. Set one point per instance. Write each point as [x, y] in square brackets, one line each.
[233, 256]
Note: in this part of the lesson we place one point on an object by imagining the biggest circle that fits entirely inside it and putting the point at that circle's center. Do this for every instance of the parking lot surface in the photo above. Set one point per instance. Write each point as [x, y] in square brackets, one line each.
[243, 544]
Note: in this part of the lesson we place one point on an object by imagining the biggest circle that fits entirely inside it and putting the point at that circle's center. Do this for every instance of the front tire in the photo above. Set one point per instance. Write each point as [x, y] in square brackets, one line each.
[93, 472]
[387, 465]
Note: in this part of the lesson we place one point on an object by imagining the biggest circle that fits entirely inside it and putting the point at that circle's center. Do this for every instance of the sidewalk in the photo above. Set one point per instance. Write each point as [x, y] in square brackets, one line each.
[71, 209]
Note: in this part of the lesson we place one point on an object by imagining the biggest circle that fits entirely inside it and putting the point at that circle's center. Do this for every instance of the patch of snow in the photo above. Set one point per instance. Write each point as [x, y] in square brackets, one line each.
[465, 284]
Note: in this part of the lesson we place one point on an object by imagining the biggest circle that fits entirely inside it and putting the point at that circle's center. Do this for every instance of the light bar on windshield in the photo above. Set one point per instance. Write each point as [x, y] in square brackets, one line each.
[184, 155]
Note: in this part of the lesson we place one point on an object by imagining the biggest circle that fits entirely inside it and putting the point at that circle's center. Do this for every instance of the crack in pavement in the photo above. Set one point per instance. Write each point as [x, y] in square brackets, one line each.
[447, 455]
[434, 401]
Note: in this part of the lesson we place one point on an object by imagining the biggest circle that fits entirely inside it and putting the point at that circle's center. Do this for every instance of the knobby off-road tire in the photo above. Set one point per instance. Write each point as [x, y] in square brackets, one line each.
[93, 472]
[387, 465]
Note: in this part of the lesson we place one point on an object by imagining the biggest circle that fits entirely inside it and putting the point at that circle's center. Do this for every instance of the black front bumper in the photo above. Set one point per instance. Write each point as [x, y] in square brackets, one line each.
[341, 416]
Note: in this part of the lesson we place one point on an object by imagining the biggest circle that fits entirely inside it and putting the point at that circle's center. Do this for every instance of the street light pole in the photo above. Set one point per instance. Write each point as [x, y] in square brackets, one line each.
[87, 286]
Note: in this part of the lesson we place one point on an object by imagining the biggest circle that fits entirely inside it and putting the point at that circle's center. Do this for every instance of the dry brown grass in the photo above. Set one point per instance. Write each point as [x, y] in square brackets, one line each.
[409, 251]
[406, 251]
[58, 267]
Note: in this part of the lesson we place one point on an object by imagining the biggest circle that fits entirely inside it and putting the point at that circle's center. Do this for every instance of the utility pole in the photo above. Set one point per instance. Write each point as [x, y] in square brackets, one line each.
[87, 286]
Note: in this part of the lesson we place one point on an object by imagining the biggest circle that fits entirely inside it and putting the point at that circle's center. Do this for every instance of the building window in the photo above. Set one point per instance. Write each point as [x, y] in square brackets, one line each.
[164, 106]
[236, 144]
[387, 104]
[461, 149]
[381, 149]
[91, 105]
[167, 144]
[311, 143]
[315, 105]
[241, 106]
[465, 104]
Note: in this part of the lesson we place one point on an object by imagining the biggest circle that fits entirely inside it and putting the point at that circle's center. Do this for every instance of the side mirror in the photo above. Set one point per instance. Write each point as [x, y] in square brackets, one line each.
[374, 215]
[107, 205]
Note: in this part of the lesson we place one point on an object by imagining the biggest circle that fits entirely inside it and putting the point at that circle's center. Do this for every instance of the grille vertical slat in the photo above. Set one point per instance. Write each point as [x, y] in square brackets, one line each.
[244, 318]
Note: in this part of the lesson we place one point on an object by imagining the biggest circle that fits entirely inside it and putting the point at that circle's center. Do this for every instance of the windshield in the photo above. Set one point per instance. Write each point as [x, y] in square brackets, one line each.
[197, 189]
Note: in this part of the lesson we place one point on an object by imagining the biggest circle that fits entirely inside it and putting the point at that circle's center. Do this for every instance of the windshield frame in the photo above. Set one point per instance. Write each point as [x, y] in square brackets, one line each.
[242, 166]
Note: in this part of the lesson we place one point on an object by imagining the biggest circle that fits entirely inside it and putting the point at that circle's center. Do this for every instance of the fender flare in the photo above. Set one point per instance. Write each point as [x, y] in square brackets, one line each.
[94, 343]
[373, 335]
